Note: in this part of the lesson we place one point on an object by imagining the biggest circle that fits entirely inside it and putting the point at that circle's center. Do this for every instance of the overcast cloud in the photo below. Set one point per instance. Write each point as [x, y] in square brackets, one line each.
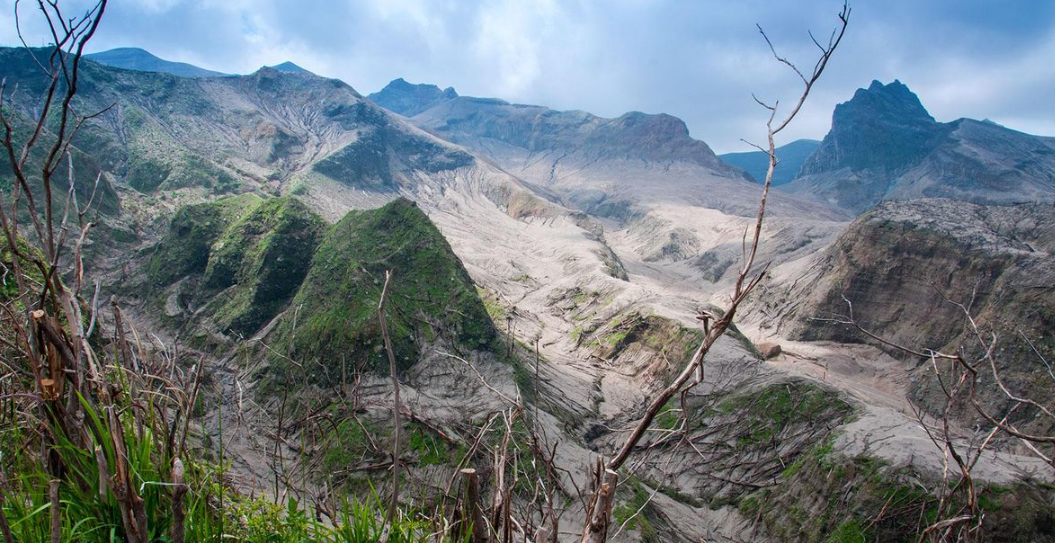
[698, 60]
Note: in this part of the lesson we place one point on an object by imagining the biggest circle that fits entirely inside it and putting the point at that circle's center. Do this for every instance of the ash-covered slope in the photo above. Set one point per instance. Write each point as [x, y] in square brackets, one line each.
[669, 206]
[883, 145]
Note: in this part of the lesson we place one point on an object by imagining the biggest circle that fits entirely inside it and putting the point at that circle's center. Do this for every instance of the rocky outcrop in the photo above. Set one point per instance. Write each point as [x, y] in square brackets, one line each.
[883, 128]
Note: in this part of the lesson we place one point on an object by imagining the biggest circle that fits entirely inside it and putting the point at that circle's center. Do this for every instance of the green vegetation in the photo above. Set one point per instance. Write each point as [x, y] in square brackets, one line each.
[668, 416]
[767, 412]
[90, 514]
[251, 256]
[659, 334]
[849, 500]
[8, 284]
[626, 510]
[431, 449]
[494, 308]
[156, 162]
[184, 249]
[431, 293]
[259, 262]
[85, 168]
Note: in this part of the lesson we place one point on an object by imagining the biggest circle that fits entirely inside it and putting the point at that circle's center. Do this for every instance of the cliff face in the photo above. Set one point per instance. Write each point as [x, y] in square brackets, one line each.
[883, 145]
[905, 267]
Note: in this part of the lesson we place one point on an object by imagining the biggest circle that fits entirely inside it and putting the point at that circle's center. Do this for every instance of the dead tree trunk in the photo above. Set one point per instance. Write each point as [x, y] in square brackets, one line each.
[179, 491]
[747, 279]
[381, 306]
[600, 511]
[471, 508]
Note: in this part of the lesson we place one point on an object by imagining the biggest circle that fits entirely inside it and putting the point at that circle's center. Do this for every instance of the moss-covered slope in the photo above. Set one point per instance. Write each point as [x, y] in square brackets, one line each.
[246, 257]
[184, 248]
[431, 293]
[825, 496]
[259, 262]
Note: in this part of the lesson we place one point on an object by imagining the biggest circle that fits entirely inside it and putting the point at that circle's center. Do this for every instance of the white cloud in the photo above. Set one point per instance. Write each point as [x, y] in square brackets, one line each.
[509, 41]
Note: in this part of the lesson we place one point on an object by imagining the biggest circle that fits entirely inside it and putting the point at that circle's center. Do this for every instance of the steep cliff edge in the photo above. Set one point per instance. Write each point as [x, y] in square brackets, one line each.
[910, 269]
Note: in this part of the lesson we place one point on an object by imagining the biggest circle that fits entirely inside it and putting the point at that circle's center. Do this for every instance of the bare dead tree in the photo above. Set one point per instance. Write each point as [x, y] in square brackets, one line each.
[73, 397]
[747, 278]
[396, 408]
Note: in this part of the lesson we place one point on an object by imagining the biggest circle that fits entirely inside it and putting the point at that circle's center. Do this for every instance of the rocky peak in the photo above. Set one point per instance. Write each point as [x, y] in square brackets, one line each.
[290, 68]
[883, 127]
[409, 99]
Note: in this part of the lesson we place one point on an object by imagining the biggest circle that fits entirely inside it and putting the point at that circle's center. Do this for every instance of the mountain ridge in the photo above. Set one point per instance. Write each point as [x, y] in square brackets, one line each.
[134, 58]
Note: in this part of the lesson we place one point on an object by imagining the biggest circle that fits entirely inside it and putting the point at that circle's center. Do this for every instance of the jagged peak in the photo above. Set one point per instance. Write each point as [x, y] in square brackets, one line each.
[409, 99]
[894, 97]
[884, 126]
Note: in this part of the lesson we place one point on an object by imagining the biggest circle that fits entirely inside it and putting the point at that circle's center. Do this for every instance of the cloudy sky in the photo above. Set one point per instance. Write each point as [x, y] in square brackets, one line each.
[697, 59]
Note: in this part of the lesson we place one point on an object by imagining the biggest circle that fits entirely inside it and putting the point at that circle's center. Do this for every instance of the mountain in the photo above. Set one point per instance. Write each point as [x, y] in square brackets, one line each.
[269, 130]
[289, 68]
[431, 294]
[790, 157]
[665, 199]
[133, 58]
[409, 99]
[267, 207]
[884, 145]
[236, 263]
[238, 260]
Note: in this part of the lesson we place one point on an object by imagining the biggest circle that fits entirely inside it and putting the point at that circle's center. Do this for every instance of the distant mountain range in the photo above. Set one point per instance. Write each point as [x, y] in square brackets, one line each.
[605, 166]
[133, 58]
[790, 157]
[633, 135]
[883, 145]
